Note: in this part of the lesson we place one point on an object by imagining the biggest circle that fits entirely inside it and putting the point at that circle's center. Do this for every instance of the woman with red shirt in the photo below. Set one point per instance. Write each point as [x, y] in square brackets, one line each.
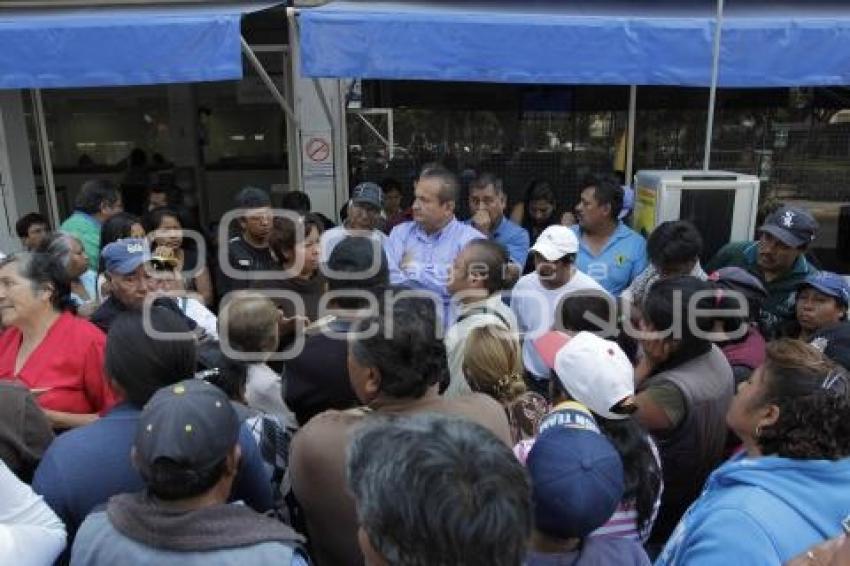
[57, 355]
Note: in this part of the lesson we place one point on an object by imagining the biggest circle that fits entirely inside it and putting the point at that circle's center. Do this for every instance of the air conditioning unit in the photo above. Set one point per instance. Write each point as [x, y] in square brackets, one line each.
[721, 204]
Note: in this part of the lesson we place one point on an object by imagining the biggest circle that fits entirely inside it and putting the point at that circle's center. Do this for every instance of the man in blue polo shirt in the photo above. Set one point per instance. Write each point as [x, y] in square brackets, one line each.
[609, 251]
[487, 202]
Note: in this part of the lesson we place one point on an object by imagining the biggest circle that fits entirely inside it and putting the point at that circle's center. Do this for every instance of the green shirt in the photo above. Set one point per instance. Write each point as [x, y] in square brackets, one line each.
[87, 229]
[779, 307]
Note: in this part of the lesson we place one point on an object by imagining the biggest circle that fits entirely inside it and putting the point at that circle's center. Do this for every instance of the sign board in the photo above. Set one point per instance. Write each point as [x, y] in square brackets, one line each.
[643, 217]
[317, 154]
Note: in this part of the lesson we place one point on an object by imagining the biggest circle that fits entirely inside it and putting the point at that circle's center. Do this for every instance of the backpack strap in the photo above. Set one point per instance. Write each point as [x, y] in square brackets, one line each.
[483, 310]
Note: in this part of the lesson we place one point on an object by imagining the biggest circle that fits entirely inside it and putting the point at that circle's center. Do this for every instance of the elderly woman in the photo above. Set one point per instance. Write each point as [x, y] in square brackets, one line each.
[53, 352]
[68, 250]
[788, 489]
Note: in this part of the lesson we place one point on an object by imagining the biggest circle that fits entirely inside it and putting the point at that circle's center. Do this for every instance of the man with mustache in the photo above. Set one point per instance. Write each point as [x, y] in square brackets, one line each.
[778, 259]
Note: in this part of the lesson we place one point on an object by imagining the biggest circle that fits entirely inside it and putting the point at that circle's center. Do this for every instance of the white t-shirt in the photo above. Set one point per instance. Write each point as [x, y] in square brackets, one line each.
[30, 532]
[534, 306]
[334, 236]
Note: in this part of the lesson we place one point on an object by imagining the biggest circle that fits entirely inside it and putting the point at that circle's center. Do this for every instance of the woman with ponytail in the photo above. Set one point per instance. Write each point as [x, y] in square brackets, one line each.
[492, 364]
[54, 353]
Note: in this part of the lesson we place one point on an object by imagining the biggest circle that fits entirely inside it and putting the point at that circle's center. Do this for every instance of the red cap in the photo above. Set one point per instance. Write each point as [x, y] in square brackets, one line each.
[549, 344]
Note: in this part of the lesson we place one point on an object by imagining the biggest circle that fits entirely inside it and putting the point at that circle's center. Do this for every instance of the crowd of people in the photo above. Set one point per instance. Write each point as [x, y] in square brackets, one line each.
[536, 385]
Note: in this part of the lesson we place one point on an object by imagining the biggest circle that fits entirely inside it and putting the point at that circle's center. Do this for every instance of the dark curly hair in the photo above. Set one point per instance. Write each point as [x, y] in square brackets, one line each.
[43, 270]
[813, 396]
[407, 348]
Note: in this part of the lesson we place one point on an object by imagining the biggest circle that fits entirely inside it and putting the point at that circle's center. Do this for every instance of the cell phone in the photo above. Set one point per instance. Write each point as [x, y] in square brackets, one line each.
[317, 325]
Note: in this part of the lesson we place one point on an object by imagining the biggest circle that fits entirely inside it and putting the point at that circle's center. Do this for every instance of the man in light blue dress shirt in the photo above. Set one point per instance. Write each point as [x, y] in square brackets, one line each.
[487, 202]
[421, 252]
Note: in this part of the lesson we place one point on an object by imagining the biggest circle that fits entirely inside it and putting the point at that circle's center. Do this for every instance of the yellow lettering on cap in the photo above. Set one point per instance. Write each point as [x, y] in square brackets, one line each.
[179, 389]
[188, 428]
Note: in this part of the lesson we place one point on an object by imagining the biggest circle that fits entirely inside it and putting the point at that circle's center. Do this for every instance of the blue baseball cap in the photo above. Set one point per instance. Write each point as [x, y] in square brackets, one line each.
[576, 481]
[830, 284]
[126, 255]
[368, 193]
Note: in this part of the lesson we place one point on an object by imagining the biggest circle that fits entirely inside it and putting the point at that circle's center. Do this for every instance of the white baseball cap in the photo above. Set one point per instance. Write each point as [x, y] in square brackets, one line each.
[555, 242]
[594, 371]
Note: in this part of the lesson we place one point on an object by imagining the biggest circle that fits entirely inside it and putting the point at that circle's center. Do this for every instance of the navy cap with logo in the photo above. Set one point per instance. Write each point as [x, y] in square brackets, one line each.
[834, 342]
[830, 284]
[576, 480]
[368, 193]
[125, 255]
[791, 225]
[191, 423]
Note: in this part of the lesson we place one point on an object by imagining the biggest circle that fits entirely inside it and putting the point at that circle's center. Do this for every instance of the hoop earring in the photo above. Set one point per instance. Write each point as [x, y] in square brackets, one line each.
[758, 431]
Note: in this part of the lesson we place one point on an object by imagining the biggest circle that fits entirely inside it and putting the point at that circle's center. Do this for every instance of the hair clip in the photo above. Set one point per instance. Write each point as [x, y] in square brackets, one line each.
[835, 383]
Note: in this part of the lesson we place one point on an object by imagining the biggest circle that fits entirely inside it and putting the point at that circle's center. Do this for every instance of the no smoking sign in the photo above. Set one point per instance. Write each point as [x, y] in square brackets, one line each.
[317, 155]
[318, 149]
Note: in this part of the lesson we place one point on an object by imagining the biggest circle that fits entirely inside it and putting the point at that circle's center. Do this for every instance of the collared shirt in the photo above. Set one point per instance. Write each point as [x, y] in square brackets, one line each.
[780, 306]
[87, 228]
[621, 260]
[424, 261]
[513, 237]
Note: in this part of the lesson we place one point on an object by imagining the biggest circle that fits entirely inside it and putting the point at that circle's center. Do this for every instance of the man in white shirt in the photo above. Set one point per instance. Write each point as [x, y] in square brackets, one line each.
[364, 215]
[537, 296]
[478, 277]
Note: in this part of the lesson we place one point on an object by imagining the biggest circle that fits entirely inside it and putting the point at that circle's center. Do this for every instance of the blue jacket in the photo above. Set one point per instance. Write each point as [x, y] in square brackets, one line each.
[761, 511]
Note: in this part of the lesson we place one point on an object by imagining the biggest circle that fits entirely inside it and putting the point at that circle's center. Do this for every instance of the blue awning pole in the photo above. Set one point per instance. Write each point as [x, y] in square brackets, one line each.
[712, 95]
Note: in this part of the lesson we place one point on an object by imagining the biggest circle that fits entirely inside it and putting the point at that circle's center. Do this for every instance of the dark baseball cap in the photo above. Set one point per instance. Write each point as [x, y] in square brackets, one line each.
[791, 225]
[834, 342]
[738, 279]
[368, 193]
[830, 284]
[191, 423]
[125, 255]
[576, 479]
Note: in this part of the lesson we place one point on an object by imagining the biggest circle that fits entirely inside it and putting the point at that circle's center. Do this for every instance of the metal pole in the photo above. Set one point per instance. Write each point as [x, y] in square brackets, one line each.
[267, 80]
[712, 95]
[44, 156]
[375, 131]
[391, 132]
[630, 134]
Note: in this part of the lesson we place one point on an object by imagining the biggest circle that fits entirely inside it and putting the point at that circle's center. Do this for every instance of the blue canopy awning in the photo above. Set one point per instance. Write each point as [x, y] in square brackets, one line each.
[85, 47]
[579, 42]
